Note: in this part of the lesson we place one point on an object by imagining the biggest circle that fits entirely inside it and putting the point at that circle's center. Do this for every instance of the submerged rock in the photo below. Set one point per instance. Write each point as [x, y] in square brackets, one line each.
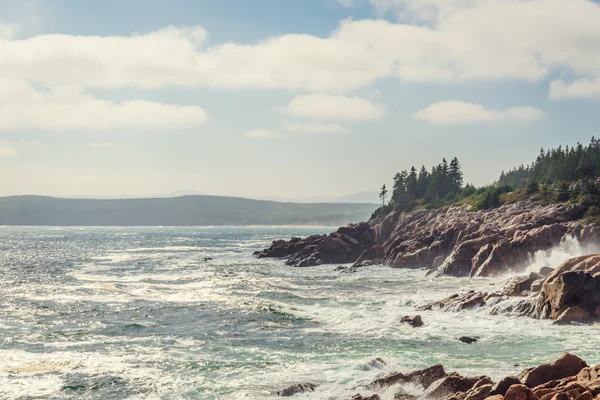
[359, 397]
[415, 321]
[423, 377]
[297, 389]
[467, 340]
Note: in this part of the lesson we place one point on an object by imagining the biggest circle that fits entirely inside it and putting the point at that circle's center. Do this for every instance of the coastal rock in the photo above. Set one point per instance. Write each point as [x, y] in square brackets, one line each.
[452, 385]
[423, 377]
[573, 314]
[520, 392]
[480, 392]
[343, 246]
[454, 303]
[467, 340]
[297, 389]
[415, 321]
[359, 397]
[571, 293]
[453, 241]
[502, 387]
[566, 366]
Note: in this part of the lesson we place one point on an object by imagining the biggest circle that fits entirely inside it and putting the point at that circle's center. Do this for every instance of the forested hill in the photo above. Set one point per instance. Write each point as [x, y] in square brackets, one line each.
[178, 211]
[561, 165]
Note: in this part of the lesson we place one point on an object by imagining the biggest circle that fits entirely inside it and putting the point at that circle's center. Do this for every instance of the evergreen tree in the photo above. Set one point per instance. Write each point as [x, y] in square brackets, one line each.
[382, 195]
[412, 182]
[455, 176]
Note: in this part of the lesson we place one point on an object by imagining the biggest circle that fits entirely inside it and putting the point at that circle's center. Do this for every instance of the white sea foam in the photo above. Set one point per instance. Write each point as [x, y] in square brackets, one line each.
[241, 328]
[554, 257]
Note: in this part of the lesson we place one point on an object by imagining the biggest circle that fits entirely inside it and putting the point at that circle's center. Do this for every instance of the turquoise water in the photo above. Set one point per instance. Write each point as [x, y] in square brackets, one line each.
[188, 313]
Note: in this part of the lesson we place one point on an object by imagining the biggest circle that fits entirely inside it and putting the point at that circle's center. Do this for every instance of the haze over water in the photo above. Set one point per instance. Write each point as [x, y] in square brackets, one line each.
[138, 313]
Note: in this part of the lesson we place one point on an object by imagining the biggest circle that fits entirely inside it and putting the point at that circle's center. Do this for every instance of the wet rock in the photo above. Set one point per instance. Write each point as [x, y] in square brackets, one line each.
[415, 321]
[567, 365]
[423, 377]
[467, 340]
[343, 246]
[520, 392]
[573, 314]
[519, 284]
[480, 392]
[451, 385]
[502, 387]
[377, 363]
[454, 241]
[359, 397]
[297, 389]
[454, 303]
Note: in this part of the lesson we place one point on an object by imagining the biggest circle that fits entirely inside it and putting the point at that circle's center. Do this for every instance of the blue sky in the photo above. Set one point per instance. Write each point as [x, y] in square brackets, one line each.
[286, 98]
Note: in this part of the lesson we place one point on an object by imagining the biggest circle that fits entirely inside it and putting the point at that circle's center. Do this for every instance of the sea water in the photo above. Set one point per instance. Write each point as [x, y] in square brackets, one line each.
[188, 313]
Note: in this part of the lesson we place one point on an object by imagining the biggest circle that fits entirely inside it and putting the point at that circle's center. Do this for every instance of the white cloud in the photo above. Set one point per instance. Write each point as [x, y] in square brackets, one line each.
[467, 40]
[8, 151]
[327, 106]
[461, 113]
[262, 133]
[581, 88]
[69, 108]
[315, 127]
[460, 41]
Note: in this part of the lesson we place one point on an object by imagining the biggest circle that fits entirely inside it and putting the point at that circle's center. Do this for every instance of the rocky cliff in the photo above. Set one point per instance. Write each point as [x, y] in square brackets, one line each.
[451, 241]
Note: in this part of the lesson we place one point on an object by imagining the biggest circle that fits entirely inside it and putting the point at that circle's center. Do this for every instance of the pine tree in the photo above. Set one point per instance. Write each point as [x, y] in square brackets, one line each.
[456, 176]
[412, 181]
[382, 195]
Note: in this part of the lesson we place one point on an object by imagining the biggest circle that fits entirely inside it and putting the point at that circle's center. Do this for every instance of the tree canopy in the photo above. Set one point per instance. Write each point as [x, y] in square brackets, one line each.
[562, 164]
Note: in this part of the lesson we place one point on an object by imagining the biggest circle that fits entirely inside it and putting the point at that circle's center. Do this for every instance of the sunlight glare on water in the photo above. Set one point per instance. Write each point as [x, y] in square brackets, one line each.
[144, 313]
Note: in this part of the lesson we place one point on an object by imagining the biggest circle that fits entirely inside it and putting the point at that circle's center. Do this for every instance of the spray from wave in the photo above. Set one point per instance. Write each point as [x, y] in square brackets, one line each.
[570, 247]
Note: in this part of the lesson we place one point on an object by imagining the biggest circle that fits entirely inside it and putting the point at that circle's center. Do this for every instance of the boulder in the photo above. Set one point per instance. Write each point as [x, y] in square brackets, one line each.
[415, 321]
[573, 314]
[566, 366]
[360, 397]
[467, 340]
[568, 289]
[450, 385]
[423, 377]
[520, 392]
[479, 392]
[502, 387]
[297, 389]
[466, 301]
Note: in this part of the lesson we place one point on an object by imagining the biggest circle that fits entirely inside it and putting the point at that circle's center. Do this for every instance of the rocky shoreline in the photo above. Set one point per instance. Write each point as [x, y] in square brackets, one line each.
[568, 378]
[452, 241]
[455, 241]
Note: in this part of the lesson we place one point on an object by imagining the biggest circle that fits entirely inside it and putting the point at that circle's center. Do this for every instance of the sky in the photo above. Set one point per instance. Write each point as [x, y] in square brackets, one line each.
[286, 98]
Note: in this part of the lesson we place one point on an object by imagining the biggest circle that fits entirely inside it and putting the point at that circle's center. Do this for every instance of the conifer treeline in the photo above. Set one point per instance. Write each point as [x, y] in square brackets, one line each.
[443, 183]
[568, 164]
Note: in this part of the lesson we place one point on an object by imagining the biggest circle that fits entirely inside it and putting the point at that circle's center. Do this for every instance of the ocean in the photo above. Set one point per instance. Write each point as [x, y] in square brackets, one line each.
[188, 313]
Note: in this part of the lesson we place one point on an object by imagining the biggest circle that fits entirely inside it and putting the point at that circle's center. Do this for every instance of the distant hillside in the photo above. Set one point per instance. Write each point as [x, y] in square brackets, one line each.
[178, 211]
